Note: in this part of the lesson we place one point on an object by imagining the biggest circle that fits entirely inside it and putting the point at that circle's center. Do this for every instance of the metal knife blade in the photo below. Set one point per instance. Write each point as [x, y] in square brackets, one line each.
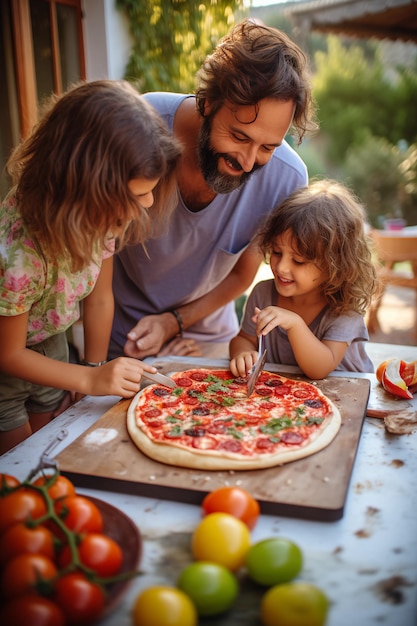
[255, 374]
[161, 379]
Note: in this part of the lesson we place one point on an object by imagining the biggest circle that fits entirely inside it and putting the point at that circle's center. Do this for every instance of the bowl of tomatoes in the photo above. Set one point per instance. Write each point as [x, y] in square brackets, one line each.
[63, 556]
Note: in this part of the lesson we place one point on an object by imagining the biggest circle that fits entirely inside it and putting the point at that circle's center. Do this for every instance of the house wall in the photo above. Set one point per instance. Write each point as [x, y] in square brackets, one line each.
[107, 40]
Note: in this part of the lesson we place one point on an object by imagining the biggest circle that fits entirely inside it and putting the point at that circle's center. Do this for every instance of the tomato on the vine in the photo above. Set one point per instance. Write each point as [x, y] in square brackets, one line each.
[21, 538]
[80, 599]
[58, 486]
[19, 506]
[24, 573]
[31, 610]
[235, 501]
[8, 481]
[80, 514]
[98, 552]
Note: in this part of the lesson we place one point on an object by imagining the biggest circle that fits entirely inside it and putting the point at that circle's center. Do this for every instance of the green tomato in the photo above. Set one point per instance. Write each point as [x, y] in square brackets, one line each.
[163, 606]
[273, 561]
[294, 604]
[212, 587]
[221, 538]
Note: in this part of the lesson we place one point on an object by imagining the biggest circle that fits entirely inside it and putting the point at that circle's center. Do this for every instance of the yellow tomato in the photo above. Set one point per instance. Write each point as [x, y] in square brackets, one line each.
[163, 606]
[221, 538]
[294, 604]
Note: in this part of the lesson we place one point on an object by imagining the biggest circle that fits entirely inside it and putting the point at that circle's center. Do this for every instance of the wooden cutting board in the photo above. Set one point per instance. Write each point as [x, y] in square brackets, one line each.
[104, 457]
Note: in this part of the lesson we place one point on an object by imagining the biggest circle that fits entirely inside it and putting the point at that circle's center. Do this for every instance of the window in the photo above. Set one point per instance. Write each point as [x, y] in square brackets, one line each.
[41, 51]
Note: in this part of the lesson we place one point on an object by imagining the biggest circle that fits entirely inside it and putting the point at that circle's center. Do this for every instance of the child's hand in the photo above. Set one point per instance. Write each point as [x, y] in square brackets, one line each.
[272, 316]
[241, 363]
[120, 377]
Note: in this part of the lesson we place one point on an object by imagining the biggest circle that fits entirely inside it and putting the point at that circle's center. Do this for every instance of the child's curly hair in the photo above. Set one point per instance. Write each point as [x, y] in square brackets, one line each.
[328, 226]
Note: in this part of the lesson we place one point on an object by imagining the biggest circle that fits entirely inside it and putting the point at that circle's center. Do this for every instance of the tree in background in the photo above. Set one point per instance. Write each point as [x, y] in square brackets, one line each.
[354, 97]
[172, 38]
[368, 126]
[372, 169]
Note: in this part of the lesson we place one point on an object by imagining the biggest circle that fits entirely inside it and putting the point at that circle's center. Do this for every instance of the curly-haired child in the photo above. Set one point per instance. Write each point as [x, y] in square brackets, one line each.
[311, 313]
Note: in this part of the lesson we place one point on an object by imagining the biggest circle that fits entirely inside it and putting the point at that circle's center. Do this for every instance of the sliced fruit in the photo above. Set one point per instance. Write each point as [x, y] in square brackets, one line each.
[392, 380]
[409, 374]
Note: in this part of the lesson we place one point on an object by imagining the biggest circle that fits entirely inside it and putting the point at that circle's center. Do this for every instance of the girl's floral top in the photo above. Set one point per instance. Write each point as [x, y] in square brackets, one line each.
[48, 290]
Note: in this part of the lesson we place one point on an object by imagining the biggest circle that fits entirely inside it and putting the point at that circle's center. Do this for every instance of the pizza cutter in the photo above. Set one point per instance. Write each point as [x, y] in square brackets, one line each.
[257, 368]
[161, 379]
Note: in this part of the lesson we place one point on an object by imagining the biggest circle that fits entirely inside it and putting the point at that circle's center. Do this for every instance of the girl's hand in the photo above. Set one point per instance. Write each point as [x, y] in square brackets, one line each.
[120, 377]
[241, 363]
[272, 316]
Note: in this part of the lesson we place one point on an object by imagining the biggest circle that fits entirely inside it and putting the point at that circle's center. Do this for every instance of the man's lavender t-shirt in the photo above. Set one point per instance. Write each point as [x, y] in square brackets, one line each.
[198, 250]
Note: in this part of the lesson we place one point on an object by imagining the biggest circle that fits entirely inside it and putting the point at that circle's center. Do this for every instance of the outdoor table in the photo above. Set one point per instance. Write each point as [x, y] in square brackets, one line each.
[366, 562]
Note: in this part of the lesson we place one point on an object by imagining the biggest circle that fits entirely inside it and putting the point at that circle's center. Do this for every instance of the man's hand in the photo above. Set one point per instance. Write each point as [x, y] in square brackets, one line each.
[180, 346]
[152, 337]
[150, 334]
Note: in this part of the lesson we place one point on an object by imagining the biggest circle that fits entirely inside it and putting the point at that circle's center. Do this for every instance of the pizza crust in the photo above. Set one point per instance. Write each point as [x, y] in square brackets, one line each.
[174, 454]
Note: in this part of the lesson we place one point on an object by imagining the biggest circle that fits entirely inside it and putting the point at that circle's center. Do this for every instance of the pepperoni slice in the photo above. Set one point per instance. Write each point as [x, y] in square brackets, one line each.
[239, 381]
[232, 445]
[273, 382]
[161, 391]
[264, 444]
[150, 413]
[261, 391]
[184, 382]
[301, 393]
[190, 400]
[267, 406]
[314, 404]
[292, 438]
[198, 376]
[282, 390]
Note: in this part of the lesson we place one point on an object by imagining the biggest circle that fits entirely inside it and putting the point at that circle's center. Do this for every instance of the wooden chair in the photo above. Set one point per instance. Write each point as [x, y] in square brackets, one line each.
[393, 247]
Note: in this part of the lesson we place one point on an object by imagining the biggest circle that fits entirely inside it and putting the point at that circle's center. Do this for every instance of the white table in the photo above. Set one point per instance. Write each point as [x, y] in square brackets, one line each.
[366, 562]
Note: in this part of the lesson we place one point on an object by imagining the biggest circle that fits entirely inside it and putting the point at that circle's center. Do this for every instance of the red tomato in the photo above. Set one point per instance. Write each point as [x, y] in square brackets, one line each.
[80, 514]
[81, 600]
[20, 538]
[21, 574]
[19, 505]
[235, 501]
[31, 610]
[97, 552]
[6, 482]
[58, 486]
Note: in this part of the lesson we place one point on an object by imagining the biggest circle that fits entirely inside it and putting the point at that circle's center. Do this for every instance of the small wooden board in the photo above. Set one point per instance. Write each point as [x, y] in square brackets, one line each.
[104, 457]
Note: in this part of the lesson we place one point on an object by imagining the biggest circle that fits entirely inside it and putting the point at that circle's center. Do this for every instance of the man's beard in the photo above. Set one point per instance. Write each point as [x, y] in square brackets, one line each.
[208, 159]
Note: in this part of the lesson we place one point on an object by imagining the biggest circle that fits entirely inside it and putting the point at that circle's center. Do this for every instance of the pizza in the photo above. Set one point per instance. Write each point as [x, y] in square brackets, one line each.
[207, 422]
